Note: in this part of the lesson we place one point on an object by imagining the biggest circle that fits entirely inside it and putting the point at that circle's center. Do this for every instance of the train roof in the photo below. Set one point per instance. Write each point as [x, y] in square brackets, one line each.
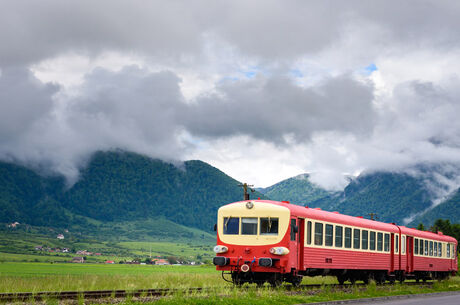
[427, 235]
[336, 217]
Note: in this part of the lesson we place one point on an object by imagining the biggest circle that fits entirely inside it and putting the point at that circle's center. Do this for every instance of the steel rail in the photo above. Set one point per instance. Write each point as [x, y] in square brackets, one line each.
[100, 294]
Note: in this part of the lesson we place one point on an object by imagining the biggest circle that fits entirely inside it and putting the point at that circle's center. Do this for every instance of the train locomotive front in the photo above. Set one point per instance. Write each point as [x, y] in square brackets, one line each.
[253, 242]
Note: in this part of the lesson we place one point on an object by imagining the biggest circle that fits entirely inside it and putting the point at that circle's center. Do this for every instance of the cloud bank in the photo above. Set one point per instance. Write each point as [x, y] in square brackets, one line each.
[262, 90]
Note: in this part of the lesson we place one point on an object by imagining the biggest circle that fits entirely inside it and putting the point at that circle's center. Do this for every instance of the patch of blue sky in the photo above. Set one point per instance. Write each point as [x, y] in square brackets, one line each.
[296, 73]
[371, 68]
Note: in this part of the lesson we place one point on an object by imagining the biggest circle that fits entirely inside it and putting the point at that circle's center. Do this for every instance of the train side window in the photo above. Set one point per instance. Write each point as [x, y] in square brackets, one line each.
[372, 241]
[347, 237]
[403, 245]
[309, 233]
[364, 239]
[379, 241]
[249, 226]
[232, 225]
[318, 234]
[268, 226]
[431, 248]
[426, 247]
[396, 243]
[416, 246]
[356, 238]
[439, 249]
[328, 236]
[421, 247]
[386, 243]
[293, 232]
[448, 251]
[338, 236]
[435, 249]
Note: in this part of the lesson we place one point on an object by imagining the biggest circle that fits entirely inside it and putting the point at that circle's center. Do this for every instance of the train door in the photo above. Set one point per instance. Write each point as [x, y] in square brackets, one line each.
[392, 256]
[410, 254]
[301, 250]
[294, 245]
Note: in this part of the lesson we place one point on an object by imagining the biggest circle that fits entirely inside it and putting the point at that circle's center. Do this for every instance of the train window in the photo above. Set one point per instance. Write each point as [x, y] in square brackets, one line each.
[426, 247]
[356, 238]
[387, 243]
[338, 236]
[421, 247]
[269, 226]
[318, 233]
[448, 251]
[431, 248]
[435, 249]
[364, 239]
[396, 243]
[293, 232]
[231, 225]
[403, 244]
[328, 235]
[372, 241]
[379, 241]
[416, 246]
[439, 249]
[309, 233]
[249, 226]
[347, 237]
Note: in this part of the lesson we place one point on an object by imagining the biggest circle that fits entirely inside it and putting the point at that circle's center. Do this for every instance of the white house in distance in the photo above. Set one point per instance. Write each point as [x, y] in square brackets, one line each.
[60, 236]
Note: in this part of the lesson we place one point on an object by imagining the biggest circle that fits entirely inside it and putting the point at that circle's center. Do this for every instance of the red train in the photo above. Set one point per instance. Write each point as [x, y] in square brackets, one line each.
[262, 241]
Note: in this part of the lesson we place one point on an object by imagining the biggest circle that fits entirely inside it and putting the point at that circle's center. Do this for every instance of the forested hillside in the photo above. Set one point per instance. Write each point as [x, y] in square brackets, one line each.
[297, 190]
[126, 186]
[26, 197]
[449, 209]
[393, 196]
[115, 187]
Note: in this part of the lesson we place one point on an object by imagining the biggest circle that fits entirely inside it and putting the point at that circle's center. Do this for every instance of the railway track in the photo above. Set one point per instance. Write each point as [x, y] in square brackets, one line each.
[102, 294]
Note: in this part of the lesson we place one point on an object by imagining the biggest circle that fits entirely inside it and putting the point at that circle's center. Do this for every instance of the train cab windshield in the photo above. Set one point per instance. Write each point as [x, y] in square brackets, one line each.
[251, 225]
[260, 224]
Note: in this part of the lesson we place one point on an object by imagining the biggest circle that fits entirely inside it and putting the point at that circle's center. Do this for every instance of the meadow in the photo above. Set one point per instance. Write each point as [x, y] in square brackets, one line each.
[34, 277]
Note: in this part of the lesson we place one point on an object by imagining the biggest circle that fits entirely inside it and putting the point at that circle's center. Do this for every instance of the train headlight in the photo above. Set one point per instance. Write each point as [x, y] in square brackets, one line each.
[220, 249]
[279, 250]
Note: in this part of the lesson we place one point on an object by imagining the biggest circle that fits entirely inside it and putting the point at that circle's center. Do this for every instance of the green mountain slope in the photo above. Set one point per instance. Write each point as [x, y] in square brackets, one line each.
[26, 197]
[297, 190]
[118, 187]
[393, 196]
[449, 209]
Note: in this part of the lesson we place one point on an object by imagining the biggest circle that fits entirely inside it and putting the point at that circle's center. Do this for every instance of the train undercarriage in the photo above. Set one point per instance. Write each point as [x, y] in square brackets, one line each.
[343, 275]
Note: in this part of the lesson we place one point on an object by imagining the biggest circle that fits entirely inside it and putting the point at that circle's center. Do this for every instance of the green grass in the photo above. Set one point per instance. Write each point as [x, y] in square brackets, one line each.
[34, 277]
[281, 296]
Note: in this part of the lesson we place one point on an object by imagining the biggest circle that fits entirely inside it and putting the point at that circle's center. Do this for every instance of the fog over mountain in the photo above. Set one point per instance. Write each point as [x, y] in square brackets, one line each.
[263, 90]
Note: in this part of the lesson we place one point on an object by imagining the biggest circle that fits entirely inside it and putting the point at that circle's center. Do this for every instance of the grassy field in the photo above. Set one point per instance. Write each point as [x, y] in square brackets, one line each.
[266, 296]
[34, 277]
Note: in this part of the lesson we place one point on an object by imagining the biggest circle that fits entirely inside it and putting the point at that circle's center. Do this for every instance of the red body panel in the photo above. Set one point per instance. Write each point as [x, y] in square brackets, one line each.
[343, 259]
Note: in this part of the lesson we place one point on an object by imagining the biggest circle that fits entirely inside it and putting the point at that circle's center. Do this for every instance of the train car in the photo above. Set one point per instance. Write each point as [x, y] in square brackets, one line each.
[262, 241]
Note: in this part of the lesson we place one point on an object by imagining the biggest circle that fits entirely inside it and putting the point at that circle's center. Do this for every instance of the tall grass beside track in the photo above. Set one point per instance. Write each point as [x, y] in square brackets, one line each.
[281, 296]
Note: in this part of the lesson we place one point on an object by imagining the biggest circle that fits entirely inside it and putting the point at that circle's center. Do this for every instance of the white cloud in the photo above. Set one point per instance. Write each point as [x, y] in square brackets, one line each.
[263, 90]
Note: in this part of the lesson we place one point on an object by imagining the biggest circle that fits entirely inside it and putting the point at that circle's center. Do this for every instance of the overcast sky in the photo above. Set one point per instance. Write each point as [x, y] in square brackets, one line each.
[263, 90]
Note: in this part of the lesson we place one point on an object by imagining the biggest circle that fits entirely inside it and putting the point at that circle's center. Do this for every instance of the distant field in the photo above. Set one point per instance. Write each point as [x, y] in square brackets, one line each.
[34, 277]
